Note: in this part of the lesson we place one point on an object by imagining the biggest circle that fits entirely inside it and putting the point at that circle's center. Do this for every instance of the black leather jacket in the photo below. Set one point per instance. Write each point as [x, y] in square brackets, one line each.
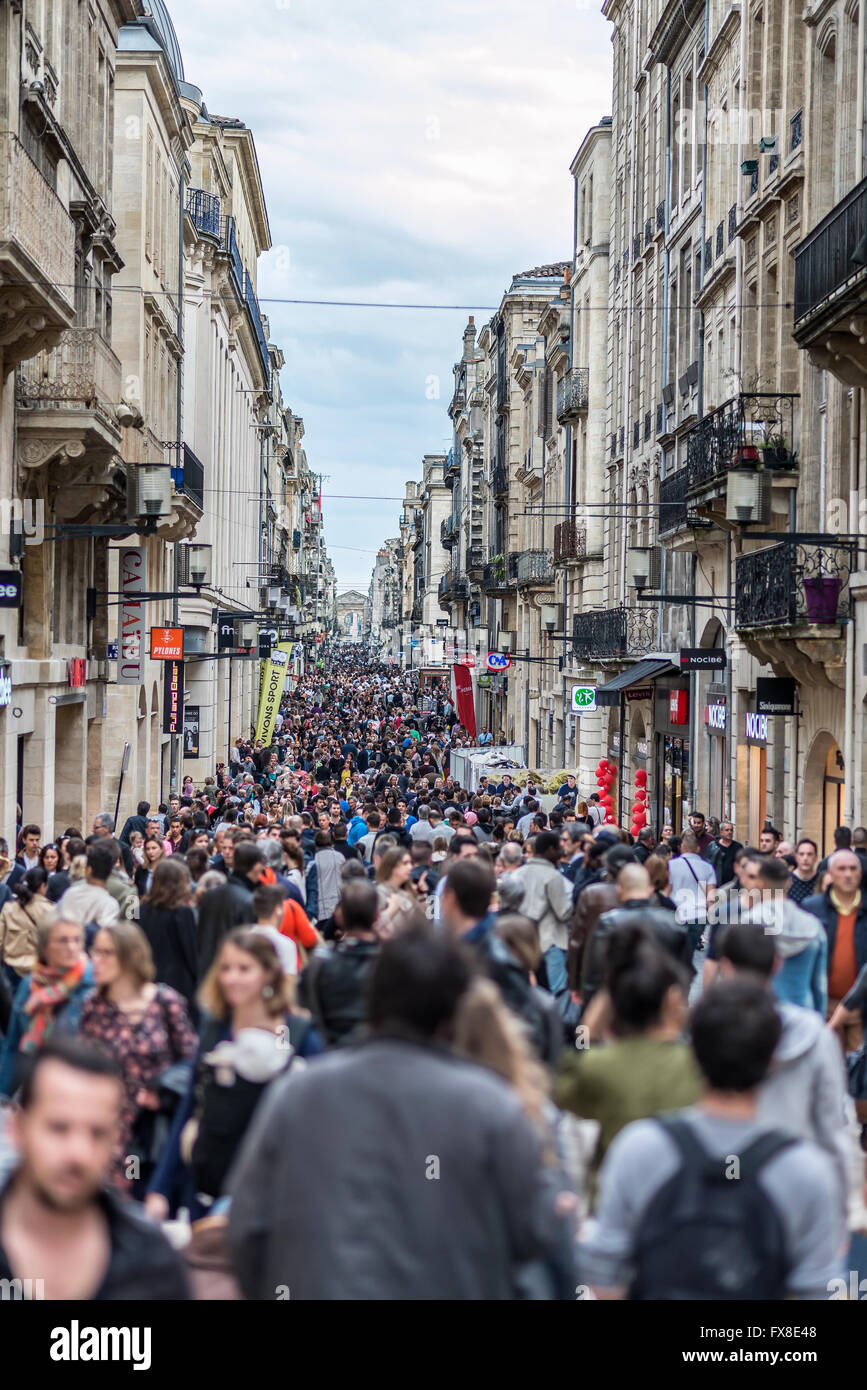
[659, 921]
[334, 988]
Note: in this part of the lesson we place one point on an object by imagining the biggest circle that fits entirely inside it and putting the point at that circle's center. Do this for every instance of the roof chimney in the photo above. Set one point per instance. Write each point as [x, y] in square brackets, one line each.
[469, 339]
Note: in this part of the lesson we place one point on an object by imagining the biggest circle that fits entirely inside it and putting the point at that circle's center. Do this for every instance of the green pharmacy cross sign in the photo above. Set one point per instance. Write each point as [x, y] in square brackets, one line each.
[583, 699]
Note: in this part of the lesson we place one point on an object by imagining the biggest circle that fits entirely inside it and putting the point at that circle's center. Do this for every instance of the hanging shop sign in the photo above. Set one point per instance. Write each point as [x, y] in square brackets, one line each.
[76, 672]
[775, 695]
[715, 716]
[756, 726]
[10, 588]
[677, 706]
[702, 659]
[173, 697]
[583, 699]
[498, 661]
[130, 637]
[273, 683]
[167, 643]
[226, 635]
[191, 731]
[5, 686]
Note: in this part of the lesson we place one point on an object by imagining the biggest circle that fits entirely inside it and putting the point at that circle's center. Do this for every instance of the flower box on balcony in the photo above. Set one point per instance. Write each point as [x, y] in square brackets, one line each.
[821, 597]
[748, 455]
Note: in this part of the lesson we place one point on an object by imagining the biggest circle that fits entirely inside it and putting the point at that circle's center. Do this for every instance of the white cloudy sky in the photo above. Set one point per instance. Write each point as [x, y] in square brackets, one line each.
[409, 152]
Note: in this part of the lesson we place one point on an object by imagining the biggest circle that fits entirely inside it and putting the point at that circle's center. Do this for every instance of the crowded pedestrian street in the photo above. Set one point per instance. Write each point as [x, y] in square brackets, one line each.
[331, 1025]
[433, 676]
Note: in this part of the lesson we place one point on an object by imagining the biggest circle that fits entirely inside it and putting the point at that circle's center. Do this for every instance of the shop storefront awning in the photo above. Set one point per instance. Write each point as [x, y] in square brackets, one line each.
[642, 673]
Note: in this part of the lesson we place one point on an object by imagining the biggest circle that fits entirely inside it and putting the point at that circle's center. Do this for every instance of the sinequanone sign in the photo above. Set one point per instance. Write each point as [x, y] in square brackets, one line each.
[775, 695]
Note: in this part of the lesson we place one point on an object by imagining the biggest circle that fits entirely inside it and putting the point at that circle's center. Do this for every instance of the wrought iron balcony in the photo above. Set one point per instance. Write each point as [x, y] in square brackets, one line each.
[609, 633]
[753, 431]
[452, 470]
[204, 209]
[824, 262]
[573, 394]
[80, 373]
[673, 511]
[500, 480]
[500, 573]
[229, 246]
[453, 586]
[570, 542]
[535, 569]
[448, 531]
[252, 304]
[792, 586]
[189, 481]
[417, 613]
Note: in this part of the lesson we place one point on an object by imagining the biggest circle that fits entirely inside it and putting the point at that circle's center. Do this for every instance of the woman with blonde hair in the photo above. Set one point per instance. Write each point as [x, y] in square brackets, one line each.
[248, 1036]
[146, 1027]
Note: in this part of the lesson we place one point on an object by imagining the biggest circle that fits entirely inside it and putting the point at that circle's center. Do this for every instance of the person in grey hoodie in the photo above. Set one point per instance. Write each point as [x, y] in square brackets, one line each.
[548, 902]
[323, 882]
[805, 1089]
[799, 939]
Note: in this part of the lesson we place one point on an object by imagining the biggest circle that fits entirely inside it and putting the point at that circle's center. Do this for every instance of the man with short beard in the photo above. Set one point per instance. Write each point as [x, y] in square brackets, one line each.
[60, 1226]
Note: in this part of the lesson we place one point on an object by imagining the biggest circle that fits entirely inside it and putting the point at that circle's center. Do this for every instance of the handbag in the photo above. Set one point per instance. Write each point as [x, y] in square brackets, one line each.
[856, 1068]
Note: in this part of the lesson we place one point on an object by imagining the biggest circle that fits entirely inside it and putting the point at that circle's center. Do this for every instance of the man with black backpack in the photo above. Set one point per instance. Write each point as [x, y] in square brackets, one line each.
[709, 1203]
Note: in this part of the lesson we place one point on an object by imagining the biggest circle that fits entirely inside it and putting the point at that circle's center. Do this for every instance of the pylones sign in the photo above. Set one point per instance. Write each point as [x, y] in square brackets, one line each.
[272, 690]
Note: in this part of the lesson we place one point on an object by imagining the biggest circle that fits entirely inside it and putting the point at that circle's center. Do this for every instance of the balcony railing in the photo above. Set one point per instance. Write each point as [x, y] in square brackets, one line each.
[453, 586]
[535, 569]
[189, 479]
[252, 304]
[499, 479]
[500, 573]
[753, 430]
[229, 245]
[448, 531]
[613, 632]
[672, 502]
[82, 372]
[34, 221]
[204, 209]
[570, 542]
[823, 260]
[475, 558]
[573, 394]
[791, 585]
[453, 467]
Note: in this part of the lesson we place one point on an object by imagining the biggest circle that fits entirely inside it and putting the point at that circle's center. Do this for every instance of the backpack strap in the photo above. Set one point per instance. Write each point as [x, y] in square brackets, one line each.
[692, 1151]
[694, 1154]
[760, 1152]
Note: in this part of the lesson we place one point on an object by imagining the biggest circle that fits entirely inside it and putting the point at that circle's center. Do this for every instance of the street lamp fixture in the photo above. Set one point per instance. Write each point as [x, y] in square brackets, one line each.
[150, 492]
[194, 565]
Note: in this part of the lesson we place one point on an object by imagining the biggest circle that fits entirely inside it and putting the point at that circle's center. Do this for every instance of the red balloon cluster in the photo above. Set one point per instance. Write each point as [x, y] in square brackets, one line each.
[639, 805]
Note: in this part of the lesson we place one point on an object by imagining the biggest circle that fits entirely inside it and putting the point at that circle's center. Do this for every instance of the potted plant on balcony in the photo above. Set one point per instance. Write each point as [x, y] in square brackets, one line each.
[498, 568]
[775, 452]
[822, 585]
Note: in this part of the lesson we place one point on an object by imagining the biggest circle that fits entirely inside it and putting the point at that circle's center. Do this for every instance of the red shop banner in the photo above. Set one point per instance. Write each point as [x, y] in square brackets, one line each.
[464, 698]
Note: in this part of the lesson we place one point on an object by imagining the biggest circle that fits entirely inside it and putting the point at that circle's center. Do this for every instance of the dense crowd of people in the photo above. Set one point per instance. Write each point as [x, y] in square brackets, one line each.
[329, 1025]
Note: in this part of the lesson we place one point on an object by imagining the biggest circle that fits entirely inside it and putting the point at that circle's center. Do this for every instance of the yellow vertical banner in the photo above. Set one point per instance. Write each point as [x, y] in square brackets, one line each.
[272, 690]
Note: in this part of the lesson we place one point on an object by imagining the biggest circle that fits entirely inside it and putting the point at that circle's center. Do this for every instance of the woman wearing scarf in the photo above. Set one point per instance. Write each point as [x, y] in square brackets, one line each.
[51, 996]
